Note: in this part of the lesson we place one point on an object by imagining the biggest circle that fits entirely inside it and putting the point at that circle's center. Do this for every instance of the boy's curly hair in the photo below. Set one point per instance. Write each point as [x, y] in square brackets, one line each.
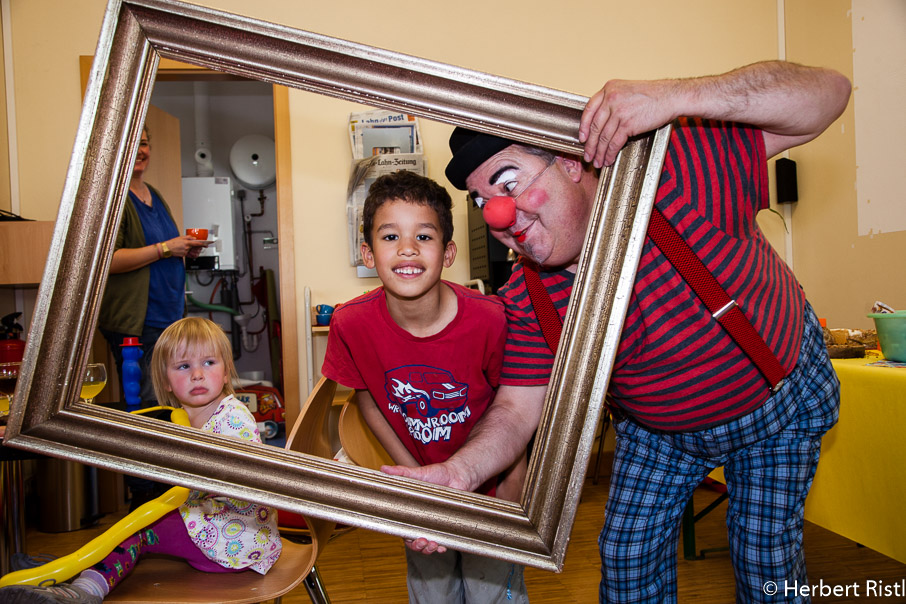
[411, 188]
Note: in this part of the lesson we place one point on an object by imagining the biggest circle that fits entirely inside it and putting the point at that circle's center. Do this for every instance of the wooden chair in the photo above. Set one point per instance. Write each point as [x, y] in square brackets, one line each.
[356, 438]
[162, 580]
[359, 442]
[313, 437]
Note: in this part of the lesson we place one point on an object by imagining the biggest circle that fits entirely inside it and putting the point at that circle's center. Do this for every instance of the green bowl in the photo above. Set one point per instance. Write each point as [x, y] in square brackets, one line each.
[892, 334]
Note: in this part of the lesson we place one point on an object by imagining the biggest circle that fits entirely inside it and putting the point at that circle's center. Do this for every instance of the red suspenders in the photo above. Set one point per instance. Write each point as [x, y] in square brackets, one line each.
[699, 278]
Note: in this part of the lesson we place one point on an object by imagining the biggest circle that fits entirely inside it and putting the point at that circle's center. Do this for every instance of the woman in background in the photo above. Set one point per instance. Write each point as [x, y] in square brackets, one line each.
[146, 287]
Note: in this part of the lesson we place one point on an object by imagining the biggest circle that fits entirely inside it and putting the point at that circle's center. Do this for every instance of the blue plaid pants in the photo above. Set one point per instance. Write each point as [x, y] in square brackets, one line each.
[769, 458]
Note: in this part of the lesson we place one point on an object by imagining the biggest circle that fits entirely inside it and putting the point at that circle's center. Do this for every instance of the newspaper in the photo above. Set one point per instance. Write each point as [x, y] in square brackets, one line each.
[382, 141]
[380, 131]
[364, 172]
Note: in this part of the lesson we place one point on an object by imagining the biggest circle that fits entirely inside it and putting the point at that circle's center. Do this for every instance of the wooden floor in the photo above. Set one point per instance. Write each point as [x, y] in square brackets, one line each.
[363, 566]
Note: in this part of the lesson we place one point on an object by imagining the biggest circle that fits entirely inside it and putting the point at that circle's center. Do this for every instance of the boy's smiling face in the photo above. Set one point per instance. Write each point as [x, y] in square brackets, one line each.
[407, 248]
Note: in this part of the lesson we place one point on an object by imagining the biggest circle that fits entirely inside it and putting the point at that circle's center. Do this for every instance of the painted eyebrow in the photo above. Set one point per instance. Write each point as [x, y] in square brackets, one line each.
[495, 177]
[493, 180]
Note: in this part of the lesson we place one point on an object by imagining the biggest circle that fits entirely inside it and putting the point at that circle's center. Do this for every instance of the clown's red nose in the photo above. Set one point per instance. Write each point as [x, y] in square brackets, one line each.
[500, 212]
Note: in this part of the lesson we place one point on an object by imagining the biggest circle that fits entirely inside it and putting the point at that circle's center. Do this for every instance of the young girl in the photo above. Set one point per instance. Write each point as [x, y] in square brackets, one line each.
[192, 368]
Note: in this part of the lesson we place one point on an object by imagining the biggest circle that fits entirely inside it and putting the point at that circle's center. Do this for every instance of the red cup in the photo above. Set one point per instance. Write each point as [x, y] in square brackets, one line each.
[200, 234]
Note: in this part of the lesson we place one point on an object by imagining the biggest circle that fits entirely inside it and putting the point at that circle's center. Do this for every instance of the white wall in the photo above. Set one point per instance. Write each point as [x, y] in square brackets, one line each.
[234, 109]
[879, 37]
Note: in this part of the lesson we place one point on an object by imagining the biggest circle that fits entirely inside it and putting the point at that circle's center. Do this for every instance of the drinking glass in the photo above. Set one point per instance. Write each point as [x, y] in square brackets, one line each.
[94, 381]
[9, 373]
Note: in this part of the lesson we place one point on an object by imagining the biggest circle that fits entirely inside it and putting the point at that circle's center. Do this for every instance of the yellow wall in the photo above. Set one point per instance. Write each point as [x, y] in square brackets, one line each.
[504, 38]
[5, 203]
[572, 45]
[47, 38]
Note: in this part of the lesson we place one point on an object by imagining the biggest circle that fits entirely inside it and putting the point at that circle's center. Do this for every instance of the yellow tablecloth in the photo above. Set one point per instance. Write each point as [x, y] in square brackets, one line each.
[860, 486]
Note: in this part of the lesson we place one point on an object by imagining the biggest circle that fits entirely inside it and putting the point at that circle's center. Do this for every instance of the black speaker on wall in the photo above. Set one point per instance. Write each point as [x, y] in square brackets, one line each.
[787, 189]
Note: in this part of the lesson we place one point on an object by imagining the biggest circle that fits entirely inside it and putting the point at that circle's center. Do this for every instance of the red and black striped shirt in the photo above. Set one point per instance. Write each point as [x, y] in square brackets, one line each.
[676, 368]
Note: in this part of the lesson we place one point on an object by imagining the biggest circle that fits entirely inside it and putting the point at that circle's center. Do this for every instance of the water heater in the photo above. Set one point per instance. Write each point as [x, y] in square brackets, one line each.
[253, 160]
[208, 203]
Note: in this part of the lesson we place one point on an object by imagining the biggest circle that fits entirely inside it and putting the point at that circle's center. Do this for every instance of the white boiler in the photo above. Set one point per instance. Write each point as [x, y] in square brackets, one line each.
[209, 203]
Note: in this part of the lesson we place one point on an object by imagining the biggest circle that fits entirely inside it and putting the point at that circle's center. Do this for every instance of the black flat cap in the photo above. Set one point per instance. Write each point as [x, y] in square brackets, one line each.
[470, 150]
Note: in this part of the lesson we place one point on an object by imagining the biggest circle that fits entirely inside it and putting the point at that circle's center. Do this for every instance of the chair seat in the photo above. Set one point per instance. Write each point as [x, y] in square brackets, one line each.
[172, 581]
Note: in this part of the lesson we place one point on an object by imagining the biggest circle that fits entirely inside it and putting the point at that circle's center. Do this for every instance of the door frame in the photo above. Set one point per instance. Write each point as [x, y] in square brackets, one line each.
[177, 71]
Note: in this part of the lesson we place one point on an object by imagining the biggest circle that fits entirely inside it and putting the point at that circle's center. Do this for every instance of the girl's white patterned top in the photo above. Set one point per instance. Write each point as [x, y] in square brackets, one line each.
[232, 532]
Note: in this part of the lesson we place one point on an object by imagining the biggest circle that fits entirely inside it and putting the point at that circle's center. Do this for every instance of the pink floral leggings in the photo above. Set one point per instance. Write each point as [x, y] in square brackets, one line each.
[166, 536]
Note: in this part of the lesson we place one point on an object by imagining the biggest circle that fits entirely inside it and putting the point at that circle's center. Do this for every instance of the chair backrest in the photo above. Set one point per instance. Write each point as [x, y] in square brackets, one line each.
[311, 435]
[359, 442]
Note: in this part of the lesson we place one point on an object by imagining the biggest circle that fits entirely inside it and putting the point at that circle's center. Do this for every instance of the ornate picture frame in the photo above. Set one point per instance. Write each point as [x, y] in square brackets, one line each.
[48, 418]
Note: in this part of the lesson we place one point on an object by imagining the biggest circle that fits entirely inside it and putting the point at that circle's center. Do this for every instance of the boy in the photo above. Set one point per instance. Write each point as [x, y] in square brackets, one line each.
[424, 356]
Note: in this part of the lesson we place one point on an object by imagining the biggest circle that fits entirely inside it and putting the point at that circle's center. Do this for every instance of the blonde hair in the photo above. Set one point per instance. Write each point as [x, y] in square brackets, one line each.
[189, 334]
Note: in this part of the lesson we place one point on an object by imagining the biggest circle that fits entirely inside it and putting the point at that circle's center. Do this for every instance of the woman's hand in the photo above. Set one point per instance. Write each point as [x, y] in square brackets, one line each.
[185, 246]
[128, 259]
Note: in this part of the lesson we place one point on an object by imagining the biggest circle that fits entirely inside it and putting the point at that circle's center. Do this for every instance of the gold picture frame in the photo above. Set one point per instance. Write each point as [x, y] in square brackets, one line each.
[48, 418]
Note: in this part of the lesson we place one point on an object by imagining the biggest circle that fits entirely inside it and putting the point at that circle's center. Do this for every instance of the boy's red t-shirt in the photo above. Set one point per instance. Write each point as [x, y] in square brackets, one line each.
[431, 390]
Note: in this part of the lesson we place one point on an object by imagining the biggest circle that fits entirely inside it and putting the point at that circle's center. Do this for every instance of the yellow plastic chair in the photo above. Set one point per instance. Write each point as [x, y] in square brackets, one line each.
[94, 551]
[166, 580]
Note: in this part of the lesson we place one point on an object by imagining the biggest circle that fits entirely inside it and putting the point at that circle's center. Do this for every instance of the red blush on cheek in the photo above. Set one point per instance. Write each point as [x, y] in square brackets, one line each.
[533, 199]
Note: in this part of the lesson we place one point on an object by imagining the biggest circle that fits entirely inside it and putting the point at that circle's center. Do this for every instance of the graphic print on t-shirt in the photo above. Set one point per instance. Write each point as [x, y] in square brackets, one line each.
[429, 398]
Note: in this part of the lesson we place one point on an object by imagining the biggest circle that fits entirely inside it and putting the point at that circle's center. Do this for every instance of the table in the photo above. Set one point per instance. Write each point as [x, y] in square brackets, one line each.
[12, 504]
[860, 485]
